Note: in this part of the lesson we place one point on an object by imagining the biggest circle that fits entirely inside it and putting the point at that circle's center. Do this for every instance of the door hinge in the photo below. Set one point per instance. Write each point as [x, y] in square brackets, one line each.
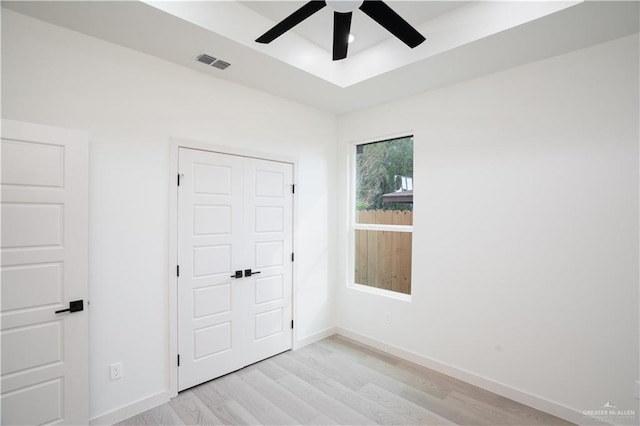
[178, 360]
[293, 188]
[293, 257]
[178, 179]
[292, 324]
[178, 270]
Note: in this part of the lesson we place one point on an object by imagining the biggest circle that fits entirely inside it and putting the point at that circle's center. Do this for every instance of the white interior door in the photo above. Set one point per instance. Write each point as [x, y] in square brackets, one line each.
[210, 236]
[44, 267]
[234, 214]
[268, 249]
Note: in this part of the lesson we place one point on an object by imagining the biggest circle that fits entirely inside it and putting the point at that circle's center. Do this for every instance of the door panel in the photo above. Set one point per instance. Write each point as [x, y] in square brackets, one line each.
[209, 203]
[44, 266]
[234, 213]
[269, 289]
[32, 164]
[31, 285]
[31, 225]
[19, 404]
[269, 242]
[17, 353]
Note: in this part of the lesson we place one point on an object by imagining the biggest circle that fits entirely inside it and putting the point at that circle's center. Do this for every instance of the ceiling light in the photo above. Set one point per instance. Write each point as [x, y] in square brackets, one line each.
[344, 6]
[351, 38]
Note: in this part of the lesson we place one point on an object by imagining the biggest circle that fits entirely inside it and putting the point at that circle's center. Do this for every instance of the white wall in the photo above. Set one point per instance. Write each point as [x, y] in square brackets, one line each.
[526, 217]
[131, 105]
[525, 267]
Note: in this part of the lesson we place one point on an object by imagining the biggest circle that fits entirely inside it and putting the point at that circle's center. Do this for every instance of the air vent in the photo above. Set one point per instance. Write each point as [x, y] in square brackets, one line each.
[211, 61]
[220, 64]
[205, 59]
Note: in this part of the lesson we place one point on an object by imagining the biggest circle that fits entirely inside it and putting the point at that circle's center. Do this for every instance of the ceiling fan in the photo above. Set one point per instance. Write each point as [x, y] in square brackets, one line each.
[343, 9]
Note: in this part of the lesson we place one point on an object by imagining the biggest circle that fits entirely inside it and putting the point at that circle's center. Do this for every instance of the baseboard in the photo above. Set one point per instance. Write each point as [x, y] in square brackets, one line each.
[558, 410]
[129, 410]
[300, 343]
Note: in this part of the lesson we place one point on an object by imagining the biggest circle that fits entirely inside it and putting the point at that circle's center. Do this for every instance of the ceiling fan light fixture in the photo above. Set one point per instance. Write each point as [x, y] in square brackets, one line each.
[344, 6]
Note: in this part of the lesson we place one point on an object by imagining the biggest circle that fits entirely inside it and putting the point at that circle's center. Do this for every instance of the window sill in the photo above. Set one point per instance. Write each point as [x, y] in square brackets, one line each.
[380, 292]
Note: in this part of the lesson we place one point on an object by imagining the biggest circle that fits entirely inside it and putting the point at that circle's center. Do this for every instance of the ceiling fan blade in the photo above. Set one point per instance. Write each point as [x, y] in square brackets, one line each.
[341, 29]
[385, 16]
[291, 21]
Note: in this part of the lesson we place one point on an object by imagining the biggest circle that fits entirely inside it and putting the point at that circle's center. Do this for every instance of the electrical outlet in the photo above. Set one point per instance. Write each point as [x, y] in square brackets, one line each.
[387, 317]
[116, 371]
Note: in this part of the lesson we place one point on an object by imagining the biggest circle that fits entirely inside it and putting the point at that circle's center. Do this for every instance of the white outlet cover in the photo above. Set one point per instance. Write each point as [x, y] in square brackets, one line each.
[116, 371]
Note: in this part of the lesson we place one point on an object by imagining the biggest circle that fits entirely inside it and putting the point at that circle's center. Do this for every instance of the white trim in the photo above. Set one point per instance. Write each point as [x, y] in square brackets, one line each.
[562, 411]
[229, 150]
[385, 138]
[172, 261]
[132, 409]
[382, 227]
[351, 215]
[380, 291]
[315, 337]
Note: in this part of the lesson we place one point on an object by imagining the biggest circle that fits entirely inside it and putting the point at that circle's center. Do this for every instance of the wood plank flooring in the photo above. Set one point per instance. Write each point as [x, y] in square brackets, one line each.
[339, 382]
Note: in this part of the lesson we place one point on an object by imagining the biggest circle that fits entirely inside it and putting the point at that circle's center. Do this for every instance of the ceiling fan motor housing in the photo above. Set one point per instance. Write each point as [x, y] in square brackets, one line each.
[344, 6]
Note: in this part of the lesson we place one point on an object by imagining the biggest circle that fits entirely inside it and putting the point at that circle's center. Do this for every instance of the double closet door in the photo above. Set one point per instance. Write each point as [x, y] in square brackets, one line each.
[235, 226]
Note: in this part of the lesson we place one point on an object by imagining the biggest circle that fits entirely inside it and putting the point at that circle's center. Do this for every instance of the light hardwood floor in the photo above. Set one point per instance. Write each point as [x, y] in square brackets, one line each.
[339, 382]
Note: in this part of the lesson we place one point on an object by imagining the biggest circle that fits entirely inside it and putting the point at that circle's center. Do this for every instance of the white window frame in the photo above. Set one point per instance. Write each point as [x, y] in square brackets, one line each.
[353, 226]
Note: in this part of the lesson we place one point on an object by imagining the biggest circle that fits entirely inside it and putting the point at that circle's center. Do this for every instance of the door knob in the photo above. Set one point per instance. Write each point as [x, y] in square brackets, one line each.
[238, 274]
[248, 273]
[74, 306]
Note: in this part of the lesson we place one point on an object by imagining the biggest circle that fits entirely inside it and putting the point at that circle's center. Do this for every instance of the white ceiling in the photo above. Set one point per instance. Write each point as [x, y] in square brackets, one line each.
[464, 40]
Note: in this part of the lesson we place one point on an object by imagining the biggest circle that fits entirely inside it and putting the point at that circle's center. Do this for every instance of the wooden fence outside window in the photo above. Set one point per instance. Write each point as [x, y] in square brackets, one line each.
[383, 258]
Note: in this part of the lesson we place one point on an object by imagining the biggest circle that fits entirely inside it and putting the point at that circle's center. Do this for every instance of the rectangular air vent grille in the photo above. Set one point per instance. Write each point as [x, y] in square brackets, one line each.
[205, 59]
[211, 61]
[220, 64]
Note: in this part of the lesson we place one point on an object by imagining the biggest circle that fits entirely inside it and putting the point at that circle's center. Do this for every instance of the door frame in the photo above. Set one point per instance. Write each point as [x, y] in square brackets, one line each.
[175, 145]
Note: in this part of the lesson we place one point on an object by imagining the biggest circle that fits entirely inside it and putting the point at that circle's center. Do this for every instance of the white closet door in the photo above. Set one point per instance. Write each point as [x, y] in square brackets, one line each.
[210, 200]
[268, 247]
[234, 214]
[44, 267]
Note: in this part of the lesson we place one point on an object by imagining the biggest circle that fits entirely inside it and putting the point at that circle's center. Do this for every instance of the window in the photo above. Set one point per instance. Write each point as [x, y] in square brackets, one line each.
[383, 220]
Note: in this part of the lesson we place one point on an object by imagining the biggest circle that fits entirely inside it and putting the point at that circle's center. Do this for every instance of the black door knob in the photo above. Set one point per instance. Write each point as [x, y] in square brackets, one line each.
[248, 272]
[74, 306]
